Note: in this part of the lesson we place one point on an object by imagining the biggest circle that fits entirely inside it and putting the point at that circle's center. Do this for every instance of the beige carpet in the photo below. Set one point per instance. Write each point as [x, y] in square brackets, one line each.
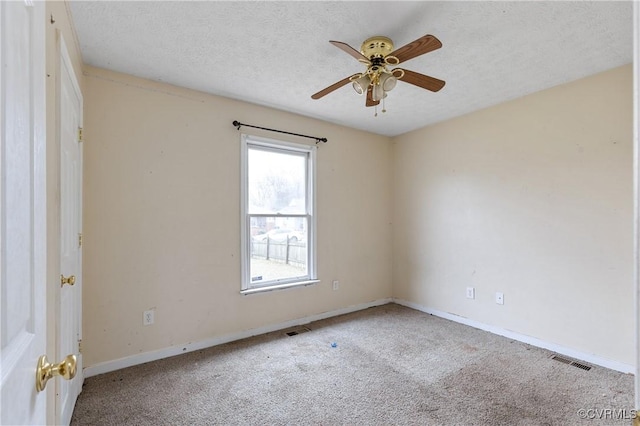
[391, 365]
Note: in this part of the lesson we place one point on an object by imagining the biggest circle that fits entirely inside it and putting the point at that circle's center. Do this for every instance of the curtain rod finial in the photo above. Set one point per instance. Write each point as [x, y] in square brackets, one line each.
[237, 124]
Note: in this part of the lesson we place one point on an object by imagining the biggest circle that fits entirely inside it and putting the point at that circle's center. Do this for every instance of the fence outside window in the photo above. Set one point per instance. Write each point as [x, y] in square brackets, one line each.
[287, 251]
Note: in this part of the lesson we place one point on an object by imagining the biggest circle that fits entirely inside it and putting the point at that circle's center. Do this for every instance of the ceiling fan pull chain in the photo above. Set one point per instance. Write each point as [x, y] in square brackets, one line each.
[383, 107]
[376, 114]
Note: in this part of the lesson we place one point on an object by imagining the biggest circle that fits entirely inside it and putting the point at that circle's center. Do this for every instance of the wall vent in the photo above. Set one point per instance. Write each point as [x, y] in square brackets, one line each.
[568, 361]
[297, 331]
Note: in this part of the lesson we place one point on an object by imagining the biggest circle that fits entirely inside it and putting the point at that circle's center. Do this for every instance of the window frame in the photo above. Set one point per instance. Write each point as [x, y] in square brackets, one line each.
[248, 141]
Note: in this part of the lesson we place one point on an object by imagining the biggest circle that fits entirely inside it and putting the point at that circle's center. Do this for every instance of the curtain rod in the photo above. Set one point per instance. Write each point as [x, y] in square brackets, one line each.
[238, 124]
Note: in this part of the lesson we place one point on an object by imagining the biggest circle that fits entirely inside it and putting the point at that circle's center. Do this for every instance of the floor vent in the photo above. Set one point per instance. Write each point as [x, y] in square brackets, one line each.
[580, 365]
[297, 331]
[570, 362]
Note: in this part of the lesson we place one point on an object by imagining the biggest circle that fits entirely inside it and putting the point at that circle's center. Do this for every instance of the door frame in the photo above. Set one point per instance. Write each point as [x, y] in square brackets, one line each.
[636, 195]
[64, 65]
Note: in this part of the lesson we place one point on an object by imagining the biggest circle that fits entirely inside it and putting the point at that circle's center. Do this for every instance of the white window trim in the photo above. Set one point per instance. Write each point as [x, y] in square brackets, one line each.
[245, 248]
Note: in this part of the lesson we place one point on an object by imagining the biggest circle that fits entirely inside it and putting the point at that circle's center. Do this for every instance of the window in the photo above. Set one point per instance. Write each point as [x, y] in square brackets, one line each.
[278, 214]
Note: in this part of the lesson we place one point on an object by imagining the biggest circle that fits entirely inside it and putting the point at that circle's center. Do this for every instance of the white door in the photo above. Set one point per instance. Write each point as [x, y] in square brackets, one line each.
[70, 311]
[22, 211]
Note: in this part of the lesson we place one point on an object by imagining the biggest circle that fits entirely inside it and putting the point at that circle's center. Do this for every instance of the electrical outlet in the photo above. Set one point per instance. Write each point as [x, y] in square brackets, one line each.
[500, 298]
[336, 284]
[147, 317]
[471, 293]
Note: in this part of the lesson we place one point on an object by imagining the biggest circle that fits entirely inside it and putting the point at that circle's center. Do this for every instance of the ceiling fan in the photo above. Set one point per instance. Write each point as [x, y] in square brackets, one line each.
[377, 54]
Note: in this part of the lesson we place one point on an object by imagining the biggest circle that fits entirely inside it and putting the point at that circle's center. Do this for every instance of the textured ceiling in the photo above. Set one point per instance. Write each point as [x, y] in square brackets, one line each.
[278, 54]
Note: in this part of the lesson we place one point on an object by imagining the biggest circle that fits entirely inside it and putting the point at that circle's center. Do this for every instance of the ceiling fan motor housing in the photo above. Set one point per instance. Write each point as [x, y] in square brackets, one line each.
[376, 47]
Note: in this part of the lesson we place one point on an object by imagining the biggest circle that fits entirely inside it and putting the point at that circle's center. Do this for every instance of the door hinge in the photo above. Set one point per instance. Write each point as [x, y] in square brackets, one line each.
[80, 240]
[80, 345]
[80, 134]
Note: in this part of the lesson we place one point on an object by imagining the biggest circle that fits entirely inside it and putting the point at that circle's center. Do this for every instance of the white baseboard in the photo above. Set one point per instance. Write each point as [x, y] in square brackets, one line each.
[108, 366]
[129, 361]
[590, 358]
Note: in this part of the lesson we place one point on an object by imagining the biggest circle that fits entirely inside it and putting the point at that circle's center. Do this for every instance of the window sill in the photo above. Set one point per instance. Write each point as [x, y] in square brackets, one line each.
[279, 287]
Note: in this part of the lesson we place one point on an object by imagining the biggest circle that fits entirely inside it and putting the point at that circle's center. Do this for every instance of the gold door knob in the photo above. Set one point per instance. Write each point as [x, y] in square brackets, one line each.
[71, 280]
[66, 369]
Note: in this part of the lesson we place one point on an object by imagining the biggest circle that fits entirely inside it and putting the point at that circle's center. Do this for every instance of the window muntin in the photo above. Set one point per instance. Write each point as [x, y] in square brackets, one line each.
[278, 213]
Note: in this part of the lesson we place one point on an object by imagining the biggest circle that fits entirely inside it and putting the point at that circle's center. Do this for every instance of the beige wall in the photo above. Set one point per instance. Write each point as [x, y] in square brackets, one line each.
[162, 219]
[532, 198]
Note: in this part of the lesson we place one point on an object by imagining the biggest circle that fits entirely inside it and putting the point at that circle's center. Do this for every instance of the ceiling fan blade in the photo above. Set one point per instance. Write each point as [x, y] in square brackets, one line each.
[350, 50]
[421, 80]
[331, 88]
[424, 44]
[370, 102]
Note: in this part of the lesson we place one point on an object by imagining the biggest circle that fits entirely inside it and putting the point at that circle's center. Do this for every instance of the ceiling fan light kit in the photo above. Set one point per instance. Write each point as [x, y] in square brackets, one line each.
[360, 83]
[388, 81]
[377, 53]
